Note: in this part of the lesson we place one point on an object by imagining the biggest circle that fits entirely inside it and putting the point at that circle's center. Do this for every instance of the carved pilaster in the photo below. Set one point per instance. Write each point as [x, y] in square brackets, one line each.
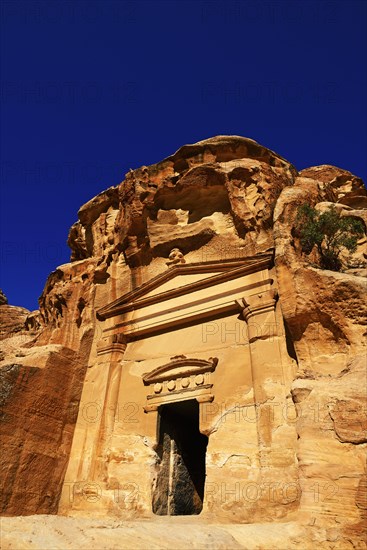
[258, 311]
[110, 351]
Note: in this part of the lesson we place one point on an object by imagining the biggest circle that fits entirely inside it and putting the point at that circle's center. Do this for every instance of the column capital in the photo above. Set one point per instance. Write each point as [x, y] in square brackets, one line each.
[112, 344]
[258, 303]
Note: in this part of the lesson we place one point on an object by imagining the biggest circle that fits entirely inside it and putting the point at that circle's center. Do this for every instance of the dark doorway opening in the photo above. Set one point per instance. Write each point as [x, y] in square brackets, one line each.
[179, 486]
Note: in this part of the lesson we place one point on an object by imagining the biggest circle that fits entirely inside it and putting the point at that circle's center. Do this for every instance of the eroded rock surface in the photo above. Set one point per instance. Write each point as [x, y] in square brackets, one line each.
[222, 198]
[12, 319]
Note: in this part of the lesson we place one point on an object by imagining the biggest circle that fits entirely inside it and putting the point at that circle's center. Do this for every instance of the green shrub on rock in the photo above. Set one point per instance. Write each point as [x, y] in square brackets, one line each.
[329, 232]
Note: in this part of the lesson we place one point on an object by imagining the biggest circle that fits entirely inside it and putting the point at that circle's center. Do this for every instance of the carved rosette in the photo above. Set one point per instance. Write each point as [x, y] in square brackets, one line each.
[181, 379]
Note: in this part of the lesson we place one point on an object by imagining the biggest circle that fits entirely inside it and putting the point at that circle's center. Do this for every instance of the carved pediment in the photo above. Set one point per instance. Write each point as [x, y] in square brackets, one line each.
[186, 275]
[181, 379]
[178, 367]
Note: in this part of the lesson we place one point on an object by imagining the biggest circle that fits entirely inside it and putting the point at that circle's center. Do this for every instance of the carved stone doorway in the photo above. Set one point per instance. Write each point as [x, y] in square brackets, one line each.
[180, 481]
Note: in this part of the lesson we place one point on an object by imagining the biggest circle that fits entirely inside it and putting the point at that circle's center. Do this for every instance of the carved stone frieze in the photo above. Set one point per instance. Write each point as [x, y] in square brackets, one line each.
[181, 379]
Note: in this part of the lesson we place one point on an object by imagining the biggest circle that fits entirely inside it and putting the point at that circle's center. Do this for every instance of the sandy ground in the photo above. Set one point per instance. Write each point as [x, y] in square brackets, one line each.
[68, 533]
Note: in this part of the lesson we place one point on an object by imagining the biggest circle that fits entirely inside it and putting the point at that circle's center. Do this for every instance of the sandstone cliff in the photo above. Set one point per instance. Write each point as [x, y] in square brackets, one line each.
[221, 198]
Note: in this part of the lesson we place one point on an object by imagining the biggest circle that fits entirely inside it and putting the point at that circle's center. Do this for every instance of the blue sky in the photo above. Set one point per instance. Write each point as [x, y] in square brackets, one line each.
[91, 89]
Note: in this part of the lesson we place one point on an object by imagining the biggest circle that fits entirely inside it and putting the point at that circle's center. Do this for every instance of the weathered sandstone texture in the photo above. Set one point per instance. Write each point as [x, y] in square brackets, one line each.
[190, 359]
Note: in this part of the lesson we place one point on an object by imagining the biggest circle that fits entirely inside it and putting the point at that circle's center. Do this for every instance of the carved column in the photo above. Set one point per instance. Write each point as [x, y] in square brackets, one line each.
[110, 352]
[95, 424]
[258, 311]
